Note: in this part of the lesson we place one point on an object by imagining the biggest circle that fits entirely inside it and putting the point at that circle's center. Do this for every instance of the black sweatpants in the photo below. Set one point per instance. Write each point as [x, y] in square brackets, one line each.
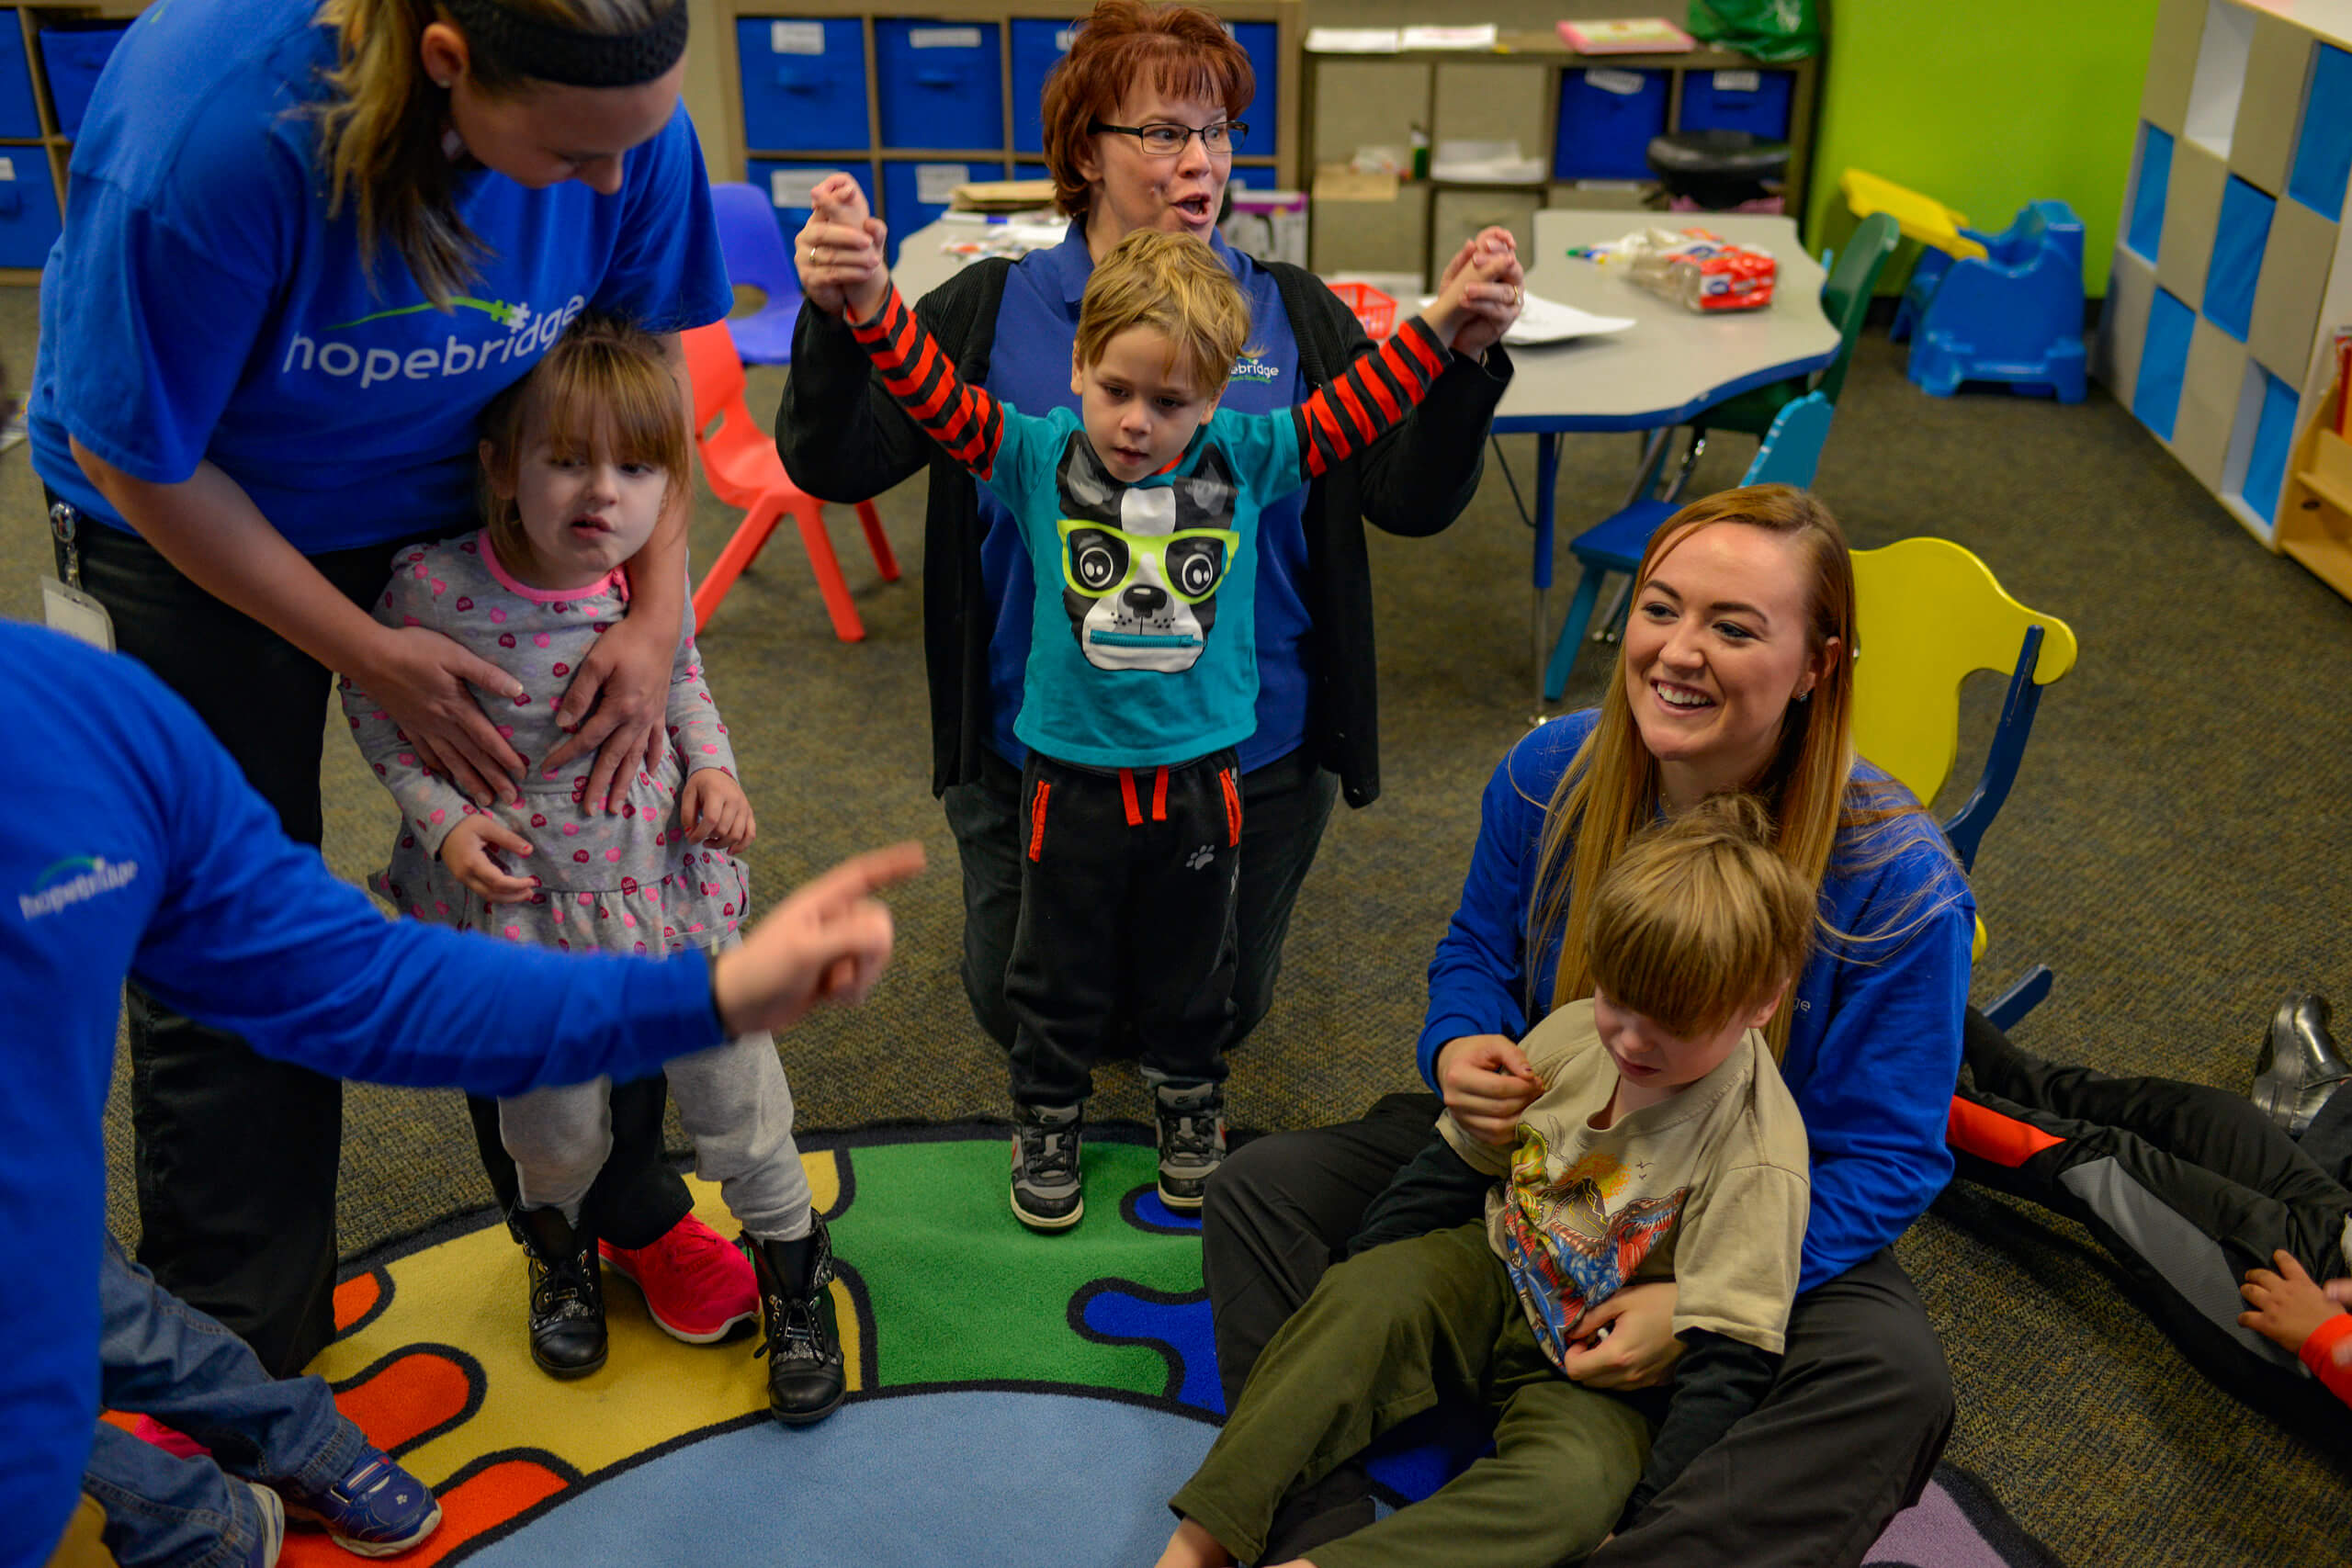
[2186, 1187]
[1127, 886]
[236, 1153]
[1846, 1438]
[1285, 805]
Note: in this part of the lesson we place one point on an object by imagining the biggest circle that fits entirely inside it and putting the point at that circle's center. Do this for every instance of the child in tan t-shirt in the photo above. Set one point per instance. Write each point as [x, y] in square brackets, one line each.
[1659, 1142]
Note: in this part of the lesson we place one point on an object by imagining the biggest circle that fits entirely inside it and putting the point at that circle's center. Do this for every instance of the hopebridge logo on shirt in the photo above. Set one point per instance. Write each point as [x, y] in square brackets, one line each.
[74, 881]
[529, 330]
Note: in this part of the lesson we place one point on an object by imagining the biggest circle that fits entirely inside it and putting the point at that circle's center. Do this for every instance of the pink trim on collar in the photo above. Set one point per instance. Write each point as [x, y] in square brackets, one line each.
[615, 581]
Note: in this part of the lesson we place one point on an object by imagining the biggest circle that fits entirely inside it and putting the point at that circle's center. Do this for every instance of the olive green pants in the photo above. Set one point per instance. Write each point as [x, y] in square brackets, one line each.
[1384, 1337]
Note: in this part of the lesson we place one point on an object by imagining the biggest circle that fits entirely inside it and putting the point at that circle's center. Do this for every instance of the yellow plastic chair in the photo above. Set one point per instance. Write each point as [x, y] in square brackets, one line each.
[1930, 614]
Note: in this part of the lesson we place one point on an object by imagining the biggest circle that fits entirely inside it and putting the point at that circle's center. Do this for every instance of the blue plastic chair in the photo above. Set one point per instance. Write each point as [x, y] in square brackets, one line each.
[757, 258]
[1791, 452]
[2014, 315]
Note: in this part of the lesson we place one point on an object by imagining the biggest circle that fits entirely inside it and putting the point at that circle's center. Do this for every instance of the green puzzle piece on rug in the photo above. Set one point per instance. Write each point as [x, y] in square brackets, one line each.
[965, 1294]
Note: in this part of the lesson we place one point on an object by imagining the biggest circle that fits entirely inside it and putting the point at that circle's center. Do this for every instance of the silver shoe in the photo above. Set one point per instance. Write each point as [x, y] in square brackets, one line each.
[2298, 1066]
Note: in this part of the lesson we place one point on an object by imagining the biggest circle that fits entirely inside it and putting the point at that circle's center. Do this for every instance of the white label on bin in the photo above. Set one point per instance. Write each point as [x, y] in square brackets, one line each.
[1738, 81]
[8, 168]
[797, 38]
[797, 187]
[935, 183]
[944, 38]
[1064, 39]
[1625, 83]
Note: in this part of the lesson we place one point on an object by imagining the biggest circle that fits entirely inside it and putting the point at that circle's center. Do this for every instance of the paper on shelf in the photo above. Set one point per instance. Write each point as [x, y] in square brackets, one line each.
[1481, 36]
[1500, 162]
[1547, 320]
[1353, 40]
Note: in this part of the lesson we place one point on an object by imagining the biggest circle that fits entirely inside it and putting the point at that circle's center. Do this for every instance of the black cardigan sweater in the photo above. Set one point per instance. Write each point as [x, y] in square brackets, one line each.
[843, 439]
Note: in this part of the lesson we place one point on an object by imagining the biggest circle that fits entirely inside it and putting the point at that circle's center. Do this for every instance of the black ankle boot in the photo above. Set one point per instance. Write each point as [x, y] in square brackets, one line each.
[799, 1333]
[567, 1294]
[2298, 1067]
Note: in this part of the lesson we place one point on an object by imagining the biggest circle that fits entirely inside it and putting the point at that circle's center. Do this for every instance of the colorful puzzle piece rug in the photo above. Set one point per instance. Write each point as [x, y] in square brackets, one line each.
[1030, 1399]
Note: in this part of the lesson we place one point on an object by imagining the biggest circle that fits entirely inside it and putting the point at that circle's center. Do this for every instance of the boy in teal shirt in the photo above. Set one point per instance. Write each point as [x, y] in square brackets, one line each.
[1141, 509]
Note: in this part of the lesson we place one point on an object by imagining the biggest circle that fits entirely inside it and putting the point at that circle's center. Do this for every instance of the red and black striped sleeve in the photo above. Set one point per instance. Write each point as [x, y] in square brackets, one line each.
[965, 421]
[1369, 399]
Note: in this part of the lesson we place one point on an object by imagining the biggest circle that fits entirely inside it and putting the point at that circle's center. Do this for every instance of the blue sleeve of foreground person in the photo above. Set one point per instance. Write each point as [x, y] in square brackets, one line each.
[135, 846]
[250, 932]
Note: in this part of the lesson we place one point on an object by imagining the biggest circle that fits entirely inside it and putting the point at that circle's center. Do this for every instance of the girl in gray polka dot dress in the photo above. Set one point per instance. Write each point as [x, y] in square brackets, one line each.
[580, 460]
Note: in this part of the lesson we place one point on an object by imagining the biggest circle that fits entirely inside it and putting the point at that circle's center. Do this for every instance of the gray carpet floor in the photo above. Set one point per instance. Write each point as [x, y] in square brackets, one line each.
[2175, 849]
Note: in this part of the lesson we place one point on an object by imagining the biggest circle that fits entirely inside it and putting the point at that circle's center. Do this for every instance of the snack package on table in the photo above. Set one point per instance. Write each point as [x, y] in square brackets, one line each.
[1703, 270]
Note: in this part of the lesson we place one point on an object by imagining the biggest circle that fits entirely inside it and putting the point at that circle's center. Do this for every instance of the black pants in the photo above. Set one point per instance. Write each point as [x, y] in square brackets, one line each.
[1846, 1438]
[236, 1153]
[1284, 807]
[1127, 886]
[2186, 1187]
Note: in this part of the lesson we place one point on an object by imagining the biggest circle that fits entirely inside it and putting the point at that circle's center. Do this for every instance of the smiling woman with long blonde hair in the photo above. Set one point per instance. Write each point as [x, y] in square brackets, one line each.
[1735, 673]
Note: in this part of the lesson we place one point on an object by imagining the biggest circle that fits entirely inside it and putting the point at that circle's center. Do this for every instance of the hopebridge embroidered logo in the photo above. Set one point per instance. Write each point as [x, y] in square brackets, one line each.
[74, 881]
[1252, 367]
[529, 330]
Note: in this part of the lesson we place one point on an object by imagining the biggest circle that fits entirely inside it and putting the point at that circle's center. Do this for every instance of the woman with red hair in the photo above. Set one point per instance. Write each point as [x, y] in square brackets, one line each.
[1140, 122]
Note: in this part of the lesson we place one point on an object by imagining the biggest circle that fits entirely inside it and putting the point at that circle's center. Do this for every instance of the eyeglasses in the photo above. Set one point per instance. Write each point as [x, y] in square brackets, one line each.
[1163, 139]
[1098, 561]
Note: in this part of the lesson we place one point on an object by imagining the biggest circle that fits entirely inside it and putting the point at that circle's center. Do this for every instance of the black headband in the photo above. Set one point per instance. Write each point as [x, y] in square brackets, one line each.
[550, 54]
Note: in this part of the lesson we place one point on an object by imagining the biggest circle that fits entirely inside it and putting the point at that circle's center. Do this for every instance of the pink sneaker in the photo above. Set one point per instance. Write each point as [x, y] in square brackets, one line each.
[698, 1285]
[171, 1440]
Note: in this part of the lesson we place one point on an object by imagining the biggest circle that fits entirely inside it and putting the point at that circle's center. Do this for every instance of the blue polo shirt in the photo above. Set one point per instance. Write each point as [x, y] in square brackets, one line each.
[1029, 369]
[202, 304]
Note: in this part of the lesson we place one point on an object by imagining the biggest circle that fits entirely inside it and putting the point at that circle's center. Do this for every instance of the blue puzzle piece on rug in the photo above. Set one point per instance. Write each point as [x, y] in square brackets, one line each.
[1176, 1326]
[1144, 1208]
[1416, 1458]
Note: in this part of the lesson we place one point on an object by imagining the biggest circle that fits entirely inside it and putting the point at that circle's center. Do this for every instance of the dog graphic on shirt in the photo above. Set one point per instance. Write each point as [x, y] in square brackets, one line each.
[1141, 565]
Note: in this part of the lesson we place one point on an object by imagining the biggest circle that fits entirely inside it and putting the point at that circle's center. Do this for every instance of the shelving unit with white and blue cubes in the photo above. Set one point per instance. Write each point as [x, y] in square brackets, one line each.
[2230, 272]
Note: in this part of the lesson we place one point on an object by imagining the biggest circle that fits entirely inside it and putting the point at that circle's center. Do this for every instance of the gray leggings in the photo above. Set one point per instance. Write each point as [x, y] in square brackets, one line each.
[736, 1107]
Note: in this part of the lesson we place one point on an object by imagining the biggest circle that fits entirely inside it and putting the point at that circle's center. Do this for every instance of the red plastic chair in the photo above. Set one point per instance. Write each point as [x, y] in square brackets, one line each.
[740, 460]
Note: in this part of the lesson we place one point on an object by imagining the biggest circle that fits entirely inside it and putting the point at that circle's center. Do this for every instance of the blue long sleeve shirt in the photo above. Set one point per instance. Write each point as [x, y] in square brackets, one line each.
[1874, 1035]
[137, 848]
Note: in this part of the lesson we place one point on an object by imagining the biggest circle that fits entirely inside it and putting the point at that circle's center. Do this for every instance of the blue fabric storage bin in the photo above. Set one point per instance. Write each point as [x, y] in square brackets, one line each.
[1707, 104]
[74, 56]
[1037, 47]
[787, 184]
[2274, 435]
[18, 117]
[2324, 142]
[2163, 361]
[2145, 227]
[1031, 172]
[1604, 134]
[940, 83]
[804, 83]
[29, 222]
[903, 207]
[2239, 236]
[1264, 115]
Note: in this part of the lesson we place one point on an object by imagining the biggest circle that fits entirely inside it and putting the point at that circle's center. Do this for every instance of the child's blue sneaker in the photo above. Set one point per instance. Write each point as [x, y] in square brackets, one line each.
[376, 1509]
[271, 1536]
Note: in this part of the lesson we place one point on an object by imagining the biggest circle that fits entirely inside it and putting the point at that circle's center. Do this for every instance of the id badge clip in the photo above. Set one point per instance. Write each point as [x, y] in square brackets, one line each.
[63, 605]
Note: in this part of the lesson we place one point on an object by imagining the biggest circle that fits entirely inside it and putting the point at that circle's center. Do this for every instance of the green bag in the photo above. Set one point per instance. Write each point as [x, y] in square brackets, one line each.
[1765, 30]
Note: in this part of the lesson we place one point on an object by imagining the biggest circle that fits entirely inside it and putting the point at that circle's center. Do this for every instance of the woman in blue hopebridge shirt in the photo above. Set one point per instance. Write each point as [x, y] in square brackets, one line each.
[304, 245]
